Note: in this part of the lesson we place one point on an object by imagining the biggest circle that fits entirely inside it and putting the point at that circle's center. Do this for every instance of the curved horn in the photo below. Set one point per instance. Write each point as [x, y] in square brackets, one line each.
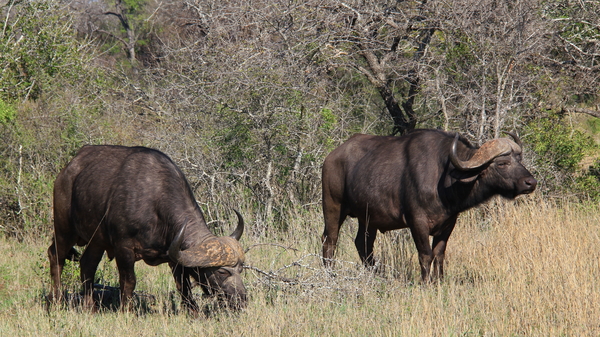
[174, 248]
[486, 153]
[237, 233]
[516, 138]
[454, 158]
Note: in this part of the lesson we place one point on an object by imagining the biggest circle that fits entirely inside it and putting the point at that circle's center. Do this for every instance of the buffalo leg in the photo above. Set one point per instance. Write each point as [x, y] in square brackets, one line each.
[63, 241]
[88, 264]
[125, 263]
[184, 285]
[365, 238]
[420, 235]
[439, 248]
[57, 253]
[334, 218]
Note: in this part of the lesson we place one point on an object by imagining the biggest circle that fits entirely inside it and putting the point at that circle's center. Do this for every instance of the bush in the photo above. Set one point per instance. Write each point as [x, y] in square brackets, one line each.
[7, 112]
[37, 43]
[588, 183]
[558, 153]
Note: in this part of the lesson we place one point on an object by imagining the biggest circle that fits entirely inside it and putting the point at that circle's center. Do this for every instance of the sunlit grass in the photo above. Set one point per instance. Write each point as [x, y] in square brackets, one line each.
[525, 268]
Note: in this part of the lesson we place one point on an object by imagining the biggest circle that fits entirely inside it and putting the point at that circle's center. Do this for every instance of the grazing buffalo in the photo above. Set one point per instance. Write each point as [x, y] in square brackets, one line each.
[422, 181]
[134, 204]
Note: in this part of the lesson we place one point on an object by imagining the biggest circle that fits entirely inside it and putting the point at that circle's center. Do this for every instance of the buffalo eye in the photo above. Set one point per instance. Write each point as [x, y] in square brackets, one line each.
[223, 273]
[503, 164]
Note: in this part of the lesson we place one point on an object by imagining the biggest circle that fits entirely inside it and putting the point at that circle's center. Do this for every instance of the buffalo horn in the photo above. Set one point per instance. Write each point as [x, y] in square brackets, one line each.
[237, 233]
[176, 244]
[516, 138]
[486, 153]
[212, 252]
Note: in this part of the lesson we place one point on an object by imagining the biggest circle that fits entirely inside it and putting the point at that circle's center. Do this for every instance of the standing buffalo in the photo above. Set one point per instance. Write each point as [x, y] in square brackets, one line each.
[135, 204]
[422, 180]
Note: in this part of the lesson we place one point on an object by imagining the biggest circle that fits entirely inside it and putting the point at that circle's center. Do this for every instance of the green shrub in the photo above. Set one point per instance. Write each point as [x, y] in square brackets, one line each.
[37, 43]
[588, 183]
[559, 150]
[7, 112]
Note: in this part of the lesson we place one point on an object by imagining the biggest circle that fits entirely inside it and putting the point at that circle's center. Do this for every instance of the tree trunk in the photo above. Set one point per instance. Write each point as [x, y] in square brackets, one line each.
[130, 42]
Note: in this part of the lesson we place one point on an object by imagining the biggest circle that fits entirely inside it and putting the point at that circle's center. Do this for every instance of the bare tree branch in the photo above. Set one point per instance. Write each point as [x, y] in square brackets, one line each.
[595, 113]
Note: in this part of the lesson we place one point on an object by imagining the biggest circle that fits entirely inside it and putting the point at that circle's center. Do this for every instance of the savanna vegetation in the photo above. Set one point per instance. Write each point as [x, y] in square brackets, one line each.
[248, 97]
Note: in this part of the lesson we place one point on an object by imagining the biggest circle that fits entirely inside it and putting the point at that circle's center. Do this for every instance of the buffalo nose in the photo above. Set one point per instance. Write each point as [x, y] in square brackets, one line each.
[530, 184]
[238, 302]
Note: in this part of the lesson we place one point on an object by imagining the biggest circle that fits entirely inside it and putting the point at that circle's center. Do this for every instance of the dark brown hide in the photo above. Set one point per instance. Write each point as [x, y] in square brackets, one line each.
[422, 181]
[132, 203]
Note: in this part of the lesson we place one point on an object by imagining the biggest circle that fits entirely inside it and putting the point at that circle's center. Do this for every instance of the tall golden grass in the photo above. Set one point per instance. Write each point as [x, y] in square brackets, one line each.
[524, 268]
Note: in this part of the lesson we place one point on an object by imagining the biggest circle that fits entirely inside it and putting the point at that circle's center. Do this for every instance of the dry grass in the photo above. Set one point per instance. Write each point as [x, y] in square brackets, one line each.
[526, 268]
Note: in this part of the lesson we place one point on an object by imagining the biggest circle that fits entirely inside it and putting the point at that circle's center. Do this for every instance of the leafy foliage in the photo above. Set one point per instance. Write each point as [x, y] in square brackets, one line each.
[557, 143]
[36, 43]
[559, 150]
[589, 182]
[7, 112]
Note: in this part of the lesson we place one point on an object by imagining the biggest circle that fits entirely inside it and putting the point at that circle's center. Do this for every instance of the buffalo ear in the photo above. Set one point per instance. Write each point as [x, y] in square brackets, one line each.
[214, 252]
[465, 176]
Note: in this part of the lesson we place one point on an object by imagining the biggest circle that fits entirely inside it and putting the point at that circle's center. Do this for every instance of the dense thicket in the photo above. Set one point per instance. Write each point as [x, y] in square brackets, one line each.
[248, 97]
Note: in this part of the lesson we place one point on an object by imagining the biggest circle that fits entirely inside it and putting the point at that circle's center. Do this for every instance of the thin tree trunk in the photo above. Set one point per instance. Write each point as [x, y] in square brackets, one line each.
[130, 42]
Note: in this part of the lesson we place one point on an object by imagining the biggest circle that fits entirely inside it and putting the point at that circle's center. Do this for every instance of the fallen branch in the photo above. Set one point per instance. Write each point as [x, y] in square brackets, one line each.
[590, 112]
[270, 244]
[272, 275]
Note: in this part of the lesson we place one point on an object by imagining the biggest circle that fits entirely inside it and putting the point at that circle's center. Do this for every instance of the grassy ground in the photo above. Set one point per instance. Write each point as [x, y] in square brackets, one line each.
[525, 268]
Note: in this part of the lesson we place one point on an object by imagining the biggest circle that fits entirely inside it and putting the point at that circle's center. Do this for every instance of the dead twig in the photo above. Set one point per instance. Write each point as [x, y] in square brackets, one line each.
[270, 244]
[272, 275]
